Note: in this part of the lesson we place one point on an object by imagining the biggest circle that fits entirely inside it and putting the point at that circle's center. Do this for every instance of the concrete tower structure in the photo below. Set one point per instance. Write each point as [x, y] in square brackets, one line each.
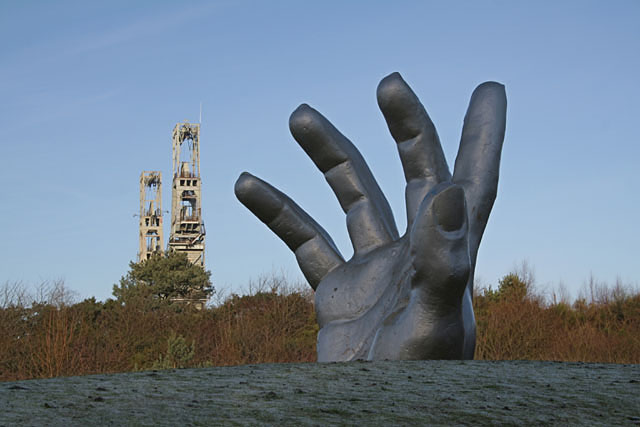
[187, 228]
[151, 236]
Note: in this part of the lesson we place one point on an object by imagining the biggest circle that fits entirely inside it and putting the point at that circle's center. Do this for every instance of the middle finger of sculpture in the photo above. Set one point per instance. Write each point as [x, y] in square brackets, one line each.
[398, 297]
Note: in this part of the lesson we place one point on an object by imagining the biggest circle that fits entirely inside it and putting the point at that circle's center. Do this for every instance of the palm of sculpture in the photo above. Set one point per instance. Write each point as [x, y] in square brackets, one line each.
[407, 297]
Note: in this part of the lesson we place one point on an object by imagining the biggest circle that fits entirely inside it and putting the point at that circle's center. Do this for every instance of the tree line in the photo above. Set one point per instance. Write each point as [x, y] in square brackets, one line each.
[148, 325]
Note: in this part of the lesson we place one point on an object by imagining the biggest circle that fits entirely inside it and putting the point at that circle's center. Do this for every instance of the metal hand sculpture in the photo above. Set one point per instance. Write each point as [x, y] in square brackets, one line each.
[398, 297]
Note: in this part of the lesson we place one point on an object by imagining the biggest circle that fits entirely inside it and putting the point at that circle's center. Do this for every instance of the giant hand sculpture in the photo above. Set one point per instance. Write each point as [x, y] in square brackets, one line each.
[398, 297]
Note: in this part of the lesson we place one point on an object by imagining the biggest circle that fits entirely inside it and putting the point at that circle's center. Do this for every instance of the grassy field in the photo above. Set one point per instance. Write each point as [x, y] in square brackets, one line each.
[359, 393]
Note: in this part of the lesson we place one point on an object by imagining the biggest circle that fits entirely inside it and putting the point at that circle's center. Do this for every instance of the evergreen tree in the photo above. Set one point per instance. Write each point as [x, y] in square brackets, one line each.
[164, 276]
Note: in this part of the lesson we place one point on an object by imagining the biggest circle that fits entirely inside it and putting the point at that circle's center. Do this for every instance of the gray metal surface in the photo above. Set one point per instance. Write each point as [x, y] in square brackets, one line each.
[398, 297]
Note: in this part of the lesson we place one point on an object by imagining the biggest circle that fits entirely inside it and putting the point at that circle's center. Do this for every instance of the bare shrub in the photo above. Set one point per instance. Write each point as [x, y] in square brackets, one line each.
[55, 293]
[603, 325]
[14, 294]
[276, 323]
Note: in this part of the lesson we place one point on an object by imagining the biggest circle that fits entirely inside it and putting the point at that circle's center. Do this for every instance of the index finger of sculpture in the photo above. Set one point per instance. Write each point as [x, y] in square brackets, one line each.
[369, 218]
[418, 143]
[315, 252]
[478, 162]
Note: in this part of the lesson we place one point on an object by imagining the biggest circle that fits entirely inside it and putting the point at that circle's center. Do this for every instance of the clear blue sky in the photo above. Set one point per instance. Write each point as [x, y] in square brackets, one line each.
[90, 92]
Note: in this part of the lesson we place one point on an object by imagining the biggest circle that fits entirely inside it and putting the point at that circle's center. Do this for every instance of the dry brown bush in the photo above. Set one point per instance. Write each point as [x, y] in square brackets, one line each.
[522, 325]
[276, 323]
[55, 338]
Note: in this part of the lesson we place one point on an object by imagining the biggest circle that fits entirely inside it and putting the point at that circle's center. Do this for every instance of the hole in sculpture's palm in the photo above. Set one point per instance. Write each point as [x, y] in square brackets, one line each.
[399, 297]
